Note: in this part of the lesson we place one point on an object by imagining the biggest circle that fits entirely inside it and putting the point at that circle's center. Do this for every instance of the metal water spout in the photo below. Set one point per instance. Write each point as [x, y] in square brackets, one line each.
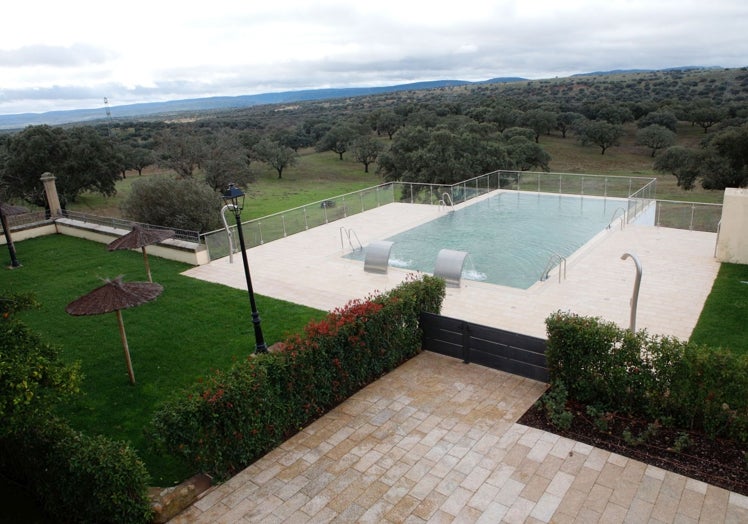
[635, 297]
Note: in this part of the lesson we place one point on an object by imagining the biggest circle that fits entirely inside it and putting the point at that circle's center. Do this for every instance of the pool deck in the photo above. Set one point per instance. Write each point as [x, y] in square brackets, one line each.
[678, 271]
[437, 440]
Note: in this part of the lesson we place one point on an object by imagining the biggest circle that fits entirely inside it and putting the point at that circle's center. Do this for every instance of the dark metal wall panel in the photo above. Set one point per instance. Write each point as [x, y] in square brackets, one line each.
[496, 348]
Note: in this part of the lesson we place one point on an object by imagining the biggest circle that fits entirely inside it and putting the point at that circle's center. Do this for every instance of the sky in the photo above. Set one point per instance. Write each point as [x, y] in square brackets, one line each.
[72, 54]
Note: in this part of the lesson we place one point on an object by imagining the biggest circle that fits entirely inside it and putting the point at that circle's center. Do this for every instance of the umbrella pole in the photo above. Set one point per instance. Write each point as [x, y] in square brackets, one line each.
[123, 336]
[147, 267]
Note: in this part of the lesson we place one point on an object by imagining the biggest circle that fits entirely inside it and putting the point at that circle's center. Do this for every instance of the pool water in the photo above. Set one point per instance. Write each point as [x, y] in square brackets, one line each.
[509, 236]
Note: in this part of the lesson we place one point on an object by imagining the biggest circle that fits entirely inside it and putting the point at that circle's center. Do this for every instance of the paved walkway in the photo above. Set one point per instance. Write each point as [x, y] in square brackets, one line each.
[678, 271]
[436, 441]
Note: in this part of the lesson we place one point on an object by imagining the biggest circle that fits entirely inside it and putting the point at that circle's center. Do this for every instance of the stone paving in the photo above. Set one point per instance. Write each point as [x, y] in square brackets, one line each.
[436, 440]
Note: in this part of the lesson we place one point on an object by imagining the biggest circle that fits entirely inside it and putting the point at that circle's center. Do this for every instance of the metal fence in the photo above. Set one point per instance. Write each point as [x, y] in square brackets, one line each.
[38, 217]
[279, 225]
[694, 216]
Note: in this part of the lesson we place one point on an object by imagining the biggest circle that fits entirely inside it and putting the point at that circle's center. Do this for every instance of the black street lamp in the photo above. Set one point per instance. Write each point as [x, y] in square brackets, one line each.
[4, 211]
[234, 198]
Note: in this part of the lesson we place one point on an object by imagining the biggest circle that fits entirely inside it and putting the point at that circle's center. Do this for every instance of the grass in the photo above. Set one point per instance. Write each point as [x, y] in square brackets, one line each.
[722, 322]
[191, 329]
[317, 176]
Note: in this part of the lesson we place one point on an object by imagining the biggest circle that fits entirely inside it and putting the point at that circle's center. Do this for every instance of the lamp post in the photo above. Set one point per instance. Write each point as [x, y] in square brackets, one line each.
[234, 197]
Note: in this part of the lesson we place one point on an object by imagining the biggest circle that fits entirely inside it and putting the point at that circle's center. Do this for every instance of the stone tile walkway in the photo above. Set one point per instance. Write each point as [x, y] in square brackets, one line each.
[437, 441]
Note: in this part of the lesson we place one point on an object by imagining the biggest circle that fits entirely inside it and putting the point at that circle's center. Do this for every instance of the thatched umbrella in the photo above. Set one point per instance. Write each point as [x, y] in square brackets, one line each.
[140, 237]
[116, 295]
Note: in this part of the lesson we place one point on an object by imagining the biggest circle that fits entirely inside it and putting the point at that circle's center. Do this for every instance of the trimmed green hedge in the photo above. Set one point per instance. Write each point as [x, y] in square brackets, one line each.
[233, 417]
[658, 378]
[75, 477]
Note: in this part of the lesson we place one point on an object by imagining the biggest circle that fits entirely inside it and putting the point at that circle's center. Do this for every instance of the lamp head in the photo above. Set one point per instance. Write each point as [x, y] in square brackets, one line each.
[234, 196]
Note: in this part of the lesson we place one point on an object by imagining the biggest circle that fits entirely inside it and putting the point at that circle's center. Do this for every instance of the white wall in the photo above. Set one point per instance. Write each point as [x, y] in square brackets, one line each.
[732, 243]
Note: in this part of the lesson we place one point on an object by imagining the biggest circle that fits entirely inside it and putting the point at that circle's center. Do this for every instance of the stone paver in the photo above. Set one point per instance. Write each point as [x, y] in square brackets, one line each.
[437, 440]
[440, 469]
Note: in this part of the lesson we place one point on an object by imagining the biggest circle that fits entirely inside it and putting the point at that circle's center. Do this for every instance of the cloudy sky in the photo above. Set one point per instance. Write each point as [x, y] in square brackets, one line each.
[71, 54]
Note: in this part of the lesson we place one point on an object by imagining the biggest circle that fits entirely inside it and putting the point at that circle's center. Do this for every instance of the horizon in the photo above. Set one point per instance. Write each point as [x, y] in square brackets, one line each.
[71, 59]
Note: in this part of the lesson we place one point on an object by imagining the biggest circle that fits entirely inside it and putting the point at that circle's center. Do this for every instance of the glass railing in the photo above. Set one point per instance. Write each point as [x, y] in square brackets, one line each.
[279, 225]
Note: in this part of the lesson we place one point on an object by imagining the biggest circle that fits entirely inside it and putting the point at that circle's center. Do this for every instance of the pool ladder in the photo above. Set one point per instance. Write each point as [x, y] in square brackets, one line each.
[446, 201]
[350, 235]
[554, 260]
[613, 217]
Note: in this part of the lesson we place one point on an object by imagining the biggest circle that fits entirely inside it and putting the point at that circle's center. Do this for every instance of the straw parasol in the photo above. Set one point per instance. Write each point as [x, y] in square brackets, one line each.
[116, 295]
[141, 237]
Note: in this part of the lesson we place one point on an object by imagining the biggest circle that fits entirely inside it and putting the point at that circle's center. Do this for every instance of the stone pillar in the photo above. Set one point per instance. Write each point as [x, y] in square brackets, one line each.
[53, 200]
[732, 243]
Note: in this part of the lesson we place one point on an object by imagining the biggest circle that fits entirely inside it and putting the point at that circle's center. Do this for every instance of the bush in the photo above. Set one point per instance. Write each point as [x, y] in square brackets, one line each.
[179, 203]
[657, 378]
[33, 378]
[228, 420]
[77, 478]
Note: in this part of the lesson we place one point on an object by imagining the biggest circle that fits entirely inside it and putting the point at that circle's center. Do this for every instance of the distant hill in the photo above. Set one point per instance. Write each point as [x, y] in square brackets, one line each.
[19, 121]
[174, 108]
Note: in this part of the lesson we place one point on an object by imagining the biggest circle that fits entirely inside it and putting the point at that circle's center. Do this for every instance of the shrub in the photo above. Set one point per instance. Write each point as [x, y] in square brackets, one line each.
[180, 203]
[77, 478]
[228, 420]
[32, 376]
[658, 378]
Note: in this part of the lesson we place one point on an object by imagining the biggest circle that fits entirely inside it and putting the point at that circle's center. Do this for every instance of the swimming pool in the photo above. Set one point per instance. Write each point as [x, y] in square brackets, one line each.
[509, 236]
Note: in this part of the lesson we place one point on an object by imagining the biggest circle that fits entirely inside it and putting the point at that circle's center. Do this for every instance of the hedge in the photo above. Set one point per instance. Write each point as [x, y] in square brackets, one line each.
[224, 423]
[659, 378]
[75, 477]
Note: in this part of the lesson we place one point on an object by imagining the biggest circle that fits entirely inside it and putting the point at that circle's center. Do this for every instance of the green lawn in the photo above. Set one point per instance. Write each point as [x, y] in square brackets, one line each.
[191, 329]
[724, 319]
[316, 176]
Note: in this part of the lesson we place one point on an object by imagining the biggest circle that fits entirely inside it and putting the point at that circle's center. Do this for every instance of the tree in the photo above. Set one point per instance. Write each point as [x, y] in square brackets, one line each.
[180, 150]
[682, 163]
[567, 120]
[225, 161]
[177, 203]
[140, 158]
[663, 118]
[601, 133]
[276, 155]
[524, 132]
[441, 155]
[726, 163]
[80, 158]
[91, 164]
[705, 116]
[540, 121]
[338, 139]
[504, 116]
[526, 154]
[388, 122]
[655, 137]
[366, 149]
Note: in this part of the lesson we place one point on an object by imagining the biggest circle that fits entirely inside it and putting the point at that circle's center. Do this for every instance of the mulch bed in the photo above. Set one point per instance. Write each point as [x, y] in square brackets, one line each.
[717, 462]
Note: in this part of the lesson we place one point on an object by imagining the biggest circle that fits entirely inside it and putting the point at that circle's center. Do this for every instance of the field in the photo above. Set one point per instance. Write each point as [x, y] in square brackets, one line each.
[318, 176]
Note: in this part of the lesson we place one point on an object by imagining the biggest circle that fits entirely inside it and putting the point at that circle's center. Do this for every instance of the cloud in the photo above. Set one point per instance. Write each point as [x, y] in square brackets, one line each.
[153, 51]
[53, 56]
